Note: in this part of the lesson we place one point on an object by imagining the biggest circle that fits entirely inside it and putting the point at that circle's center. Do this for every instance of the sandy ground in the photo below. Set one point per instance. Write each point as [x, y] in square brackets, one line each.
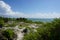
[18, 31]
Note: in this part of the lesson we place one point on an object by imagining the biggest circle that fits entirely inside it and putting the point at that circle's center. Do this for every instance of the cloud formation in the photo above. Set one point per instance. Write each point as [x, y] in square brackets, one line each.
[46, 15]
[6, 11]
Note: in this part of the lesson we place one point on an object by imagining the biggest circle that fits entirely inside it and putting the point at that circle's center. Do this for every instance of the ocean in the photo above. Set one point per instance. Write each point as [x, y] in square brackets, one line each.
[41, 19]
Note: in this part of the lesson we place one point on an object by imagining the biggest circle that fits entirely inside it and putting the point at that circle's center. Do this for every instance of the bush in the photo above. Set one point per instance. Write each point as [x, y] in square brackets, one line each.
[1, 23]
[9, 34]
[50, 31]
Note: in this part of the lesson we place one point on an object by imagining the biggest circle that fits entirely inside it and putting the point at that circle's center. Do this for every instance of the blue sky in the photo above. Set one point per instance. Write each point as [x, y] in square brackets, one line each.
[35, 7]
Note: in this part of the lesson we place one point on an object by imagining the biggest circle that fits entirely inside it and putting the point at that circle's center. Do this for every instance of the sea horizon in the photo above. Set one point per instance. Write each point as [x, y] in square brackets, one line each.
[41, 19]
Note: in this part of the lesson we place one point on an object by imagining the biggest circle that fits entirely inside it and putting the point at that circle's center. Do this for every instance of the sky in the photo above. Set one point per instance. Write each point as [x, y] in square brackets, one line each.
[30, 8]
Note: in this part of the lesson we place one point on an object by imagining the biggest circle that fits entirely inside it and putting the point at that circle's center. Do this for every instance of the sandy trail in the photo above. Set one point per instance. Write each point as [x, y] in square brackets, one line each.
[17, 31]
[20, 36]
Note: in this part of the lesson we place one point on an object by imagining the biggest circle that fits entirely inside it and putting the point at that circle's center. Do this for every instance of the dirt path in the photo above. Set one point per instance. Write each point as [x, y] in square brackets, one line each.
[18, 32]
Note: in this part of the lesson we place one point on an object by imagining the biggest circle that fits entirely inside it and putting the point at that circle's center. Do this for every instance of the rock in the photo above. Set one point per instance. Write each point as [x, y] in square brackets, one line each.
[0, 26]
[25, 30]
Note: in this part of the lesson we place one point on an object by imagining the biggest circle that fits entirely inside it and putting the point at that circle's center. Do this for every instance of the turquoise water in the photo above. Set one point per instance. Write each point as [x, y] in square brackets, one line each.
[41, 19]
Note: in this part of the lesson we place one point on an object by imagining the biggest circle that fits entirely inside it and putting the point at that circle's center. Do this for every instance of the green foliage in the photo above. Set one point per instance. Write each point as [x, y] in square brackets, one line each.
[11, 25]
[56, 31]
[23, 20]
[1, 23]
[30, 36]
[38, 22]
[49, 31]
[9, 34]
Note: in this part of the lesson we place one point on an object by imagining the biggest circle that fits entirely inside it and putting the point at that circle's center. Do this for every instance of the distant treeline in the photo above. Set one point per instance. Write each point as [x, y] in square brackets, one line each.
[5, 20]
[12, 19]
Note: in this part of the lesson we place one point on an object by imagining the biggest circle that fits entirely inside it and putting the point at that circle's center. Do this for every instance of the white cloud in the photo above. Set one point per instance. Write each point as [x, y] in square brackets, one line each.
[46, 15]
[6, 11]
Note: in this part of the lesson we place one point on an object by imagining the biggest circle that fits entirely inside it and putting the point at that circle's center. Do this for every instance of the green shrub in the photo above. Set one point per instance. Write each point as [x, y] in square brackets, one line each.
[1, 23]
[50, 31]
[9, 34]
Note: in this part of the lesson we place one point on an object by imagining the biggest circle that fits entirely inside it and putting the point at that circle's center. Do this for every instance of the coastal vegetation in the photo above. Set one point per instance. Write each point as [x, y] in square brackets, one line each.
[33, 30]
[49, 31]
